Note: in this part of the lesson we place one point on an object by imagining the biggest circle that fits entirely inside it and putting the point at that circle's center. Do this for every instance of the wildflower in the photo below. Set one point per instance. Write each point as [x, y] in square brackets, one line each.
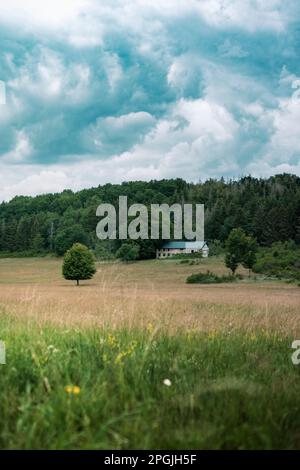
[52, 349]
[167, 382]
[120, 357]
[76, 390]
[150, 328]
[69, 389]
[112, 341]
[127, 352]
[72, 389]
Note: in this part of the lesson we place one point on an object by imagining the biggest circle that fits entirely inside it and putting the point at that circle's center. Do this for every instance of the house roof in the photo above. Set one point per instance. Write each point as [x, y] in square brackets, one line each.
[180, 244]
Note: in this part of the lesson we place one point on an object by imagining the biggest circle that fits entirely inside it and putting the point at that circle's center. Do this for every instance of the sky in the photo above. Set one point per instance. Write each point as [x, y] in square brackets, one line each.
[97, 91]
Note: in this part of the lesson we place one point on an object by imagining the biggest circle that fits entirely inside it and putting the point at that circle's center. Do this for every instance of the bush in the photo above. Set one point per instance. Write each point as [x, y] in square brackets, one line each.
[216, 248]
[281, 260]
[210, 278]
[104, 250]
[128, 252]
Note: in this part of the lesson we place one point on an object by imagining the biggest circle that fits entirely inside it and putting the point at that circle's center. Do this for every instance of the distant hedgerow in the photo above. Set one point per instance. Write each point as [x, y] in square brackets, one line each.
[210, 278]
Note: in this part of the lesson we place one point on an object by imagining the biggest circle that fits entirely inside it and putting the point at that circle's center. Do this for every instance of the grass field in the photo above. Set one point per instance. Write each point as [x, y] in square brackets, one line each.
[86, 365]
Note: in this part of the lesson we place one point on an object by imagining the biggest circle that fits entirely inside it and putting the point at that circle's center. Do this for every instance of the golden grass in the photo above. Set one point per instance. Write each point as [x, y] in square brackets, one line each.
[146, 293]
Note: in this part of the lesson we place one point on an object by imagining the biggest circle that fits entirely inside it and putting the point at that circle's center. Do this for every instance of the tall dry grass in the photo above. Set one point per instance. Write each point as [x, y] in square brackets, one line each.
[139, 294]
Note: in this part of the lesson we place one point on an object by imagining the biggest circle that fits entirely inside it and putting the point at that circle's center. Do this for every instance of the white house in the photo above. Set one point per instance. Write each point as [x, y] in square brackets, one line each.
[175, 248]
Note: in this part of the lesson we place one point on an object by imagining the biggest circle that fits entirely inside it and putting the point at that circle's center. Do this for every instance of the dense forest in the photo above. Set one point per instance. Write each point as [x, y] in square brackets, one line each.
[268, 209]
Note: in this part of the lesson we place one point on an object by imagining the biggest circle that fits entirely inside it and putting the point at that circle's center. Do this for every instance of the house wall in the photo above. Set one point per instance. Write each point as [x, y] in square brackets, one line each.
[167, 252]
[164, 253]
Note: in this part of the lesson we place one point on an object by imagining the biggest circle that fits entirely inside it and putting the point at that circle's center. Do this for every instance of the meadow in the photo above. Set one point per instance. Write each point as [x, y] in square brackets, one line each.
[137, 358]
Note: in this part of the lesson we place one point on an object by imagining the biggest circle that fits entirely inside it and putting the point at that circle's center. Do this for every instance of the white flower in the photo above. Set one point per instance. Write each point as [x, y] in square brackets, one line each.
[53, 349]
[167, 382]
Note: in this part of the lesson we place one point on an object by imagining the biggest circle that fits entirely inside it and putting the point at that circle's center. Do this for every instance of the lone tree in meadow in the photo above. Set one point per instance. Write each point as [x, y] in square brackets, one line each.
[250, 255]
[79, 263]
[231, 262]
[240, 249]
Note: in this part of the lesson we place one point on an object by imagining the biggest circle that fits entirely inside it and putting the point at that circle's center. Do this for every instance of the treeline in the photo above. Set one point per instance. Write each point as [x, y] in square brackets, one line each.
[267, 209]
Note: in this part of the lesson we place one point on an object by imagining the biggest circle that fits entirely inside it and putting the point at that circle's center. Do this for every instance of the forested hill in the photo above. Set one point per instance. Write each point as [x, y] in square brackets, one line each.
[268, 209]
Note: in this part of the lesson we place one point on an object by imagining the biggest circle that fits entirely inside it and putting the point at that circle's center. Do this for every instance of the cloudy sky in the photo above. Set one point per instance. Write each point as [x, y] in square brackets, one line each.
[106, 91]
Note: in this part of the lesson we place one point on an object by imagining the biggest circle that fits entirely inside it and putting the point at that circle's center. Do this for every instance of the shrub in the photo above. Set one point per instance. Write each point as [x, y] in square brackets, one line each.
[281, 260]
[128, 252]
[104, 250]
[210, 278]
[216, 248]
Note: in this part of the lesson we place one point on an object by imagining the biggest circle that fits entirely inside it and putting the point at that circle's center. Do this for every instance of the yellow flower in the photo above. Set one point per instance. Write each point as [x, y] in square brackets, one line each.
[72, 389]
[120, 357]
[126, 353]
[76, 390]
[68, 389]
[112, 341]
[150, 327]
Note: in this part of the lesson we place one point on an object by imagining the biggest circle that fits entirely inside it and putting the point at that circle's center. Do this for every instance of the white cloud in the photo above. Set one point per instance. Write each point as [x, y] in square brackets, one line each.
[22, 150]
[44, 181]
[116, 132]
[113, 70]
[230, 50]
[69, 20]
[196, 134]
[46, 77]
[83, 21]
[184, 135]
[251, 15]
[128, 120]
[51, 13]
[284, 146]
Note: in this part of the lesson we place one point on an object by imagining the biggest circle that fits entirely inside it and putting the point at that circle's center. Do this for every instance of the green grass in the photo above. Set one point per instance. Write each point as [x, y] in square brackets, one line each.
[232, 391]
